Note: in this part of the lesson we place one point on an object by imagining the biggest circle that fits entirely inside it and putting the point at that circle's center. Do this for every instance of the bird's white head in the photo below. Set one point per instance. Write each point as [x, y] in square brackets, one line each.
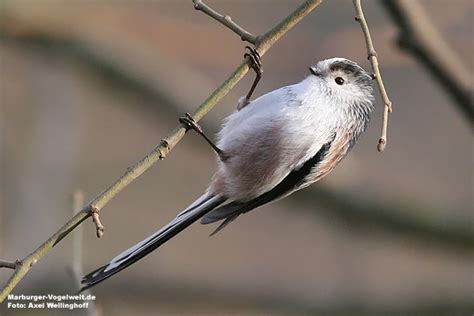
[343, 79]
[347, 90]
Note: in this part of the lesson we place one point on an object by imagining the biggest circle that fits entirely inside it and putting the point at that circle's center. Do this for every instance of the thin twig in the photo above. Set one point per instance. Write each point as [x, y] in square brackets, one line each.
[160, 151]
[419, 36]
[372, 56]
[99, 228]
[225, 20]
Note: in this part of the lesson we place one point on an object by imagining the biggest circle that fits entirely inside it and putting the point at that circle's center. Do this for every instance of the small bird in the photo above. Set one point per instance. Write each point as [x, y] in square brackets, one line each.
[269, 148]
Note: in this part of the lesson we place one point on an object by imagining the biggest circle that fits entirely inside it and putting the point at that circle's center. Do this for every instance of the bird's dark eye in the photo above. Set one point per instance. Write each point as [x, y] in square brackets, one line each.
[339, 80]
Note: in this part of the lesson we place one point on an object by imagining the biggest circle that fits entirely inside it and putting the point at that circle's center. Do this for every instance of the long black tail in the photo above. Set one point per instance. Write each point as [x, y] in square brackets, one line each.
[203, 205]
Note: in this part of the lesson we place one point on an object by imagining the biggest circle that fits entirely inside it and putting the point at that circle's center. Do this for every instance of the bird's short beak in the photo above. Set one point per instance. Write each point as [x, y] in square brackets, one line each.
[315, 71]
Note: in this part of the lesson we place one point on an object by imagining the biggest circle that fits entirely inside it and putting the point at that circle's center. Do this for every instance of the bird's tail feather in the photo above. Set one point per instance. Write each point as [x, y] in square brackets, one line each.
[199, 208]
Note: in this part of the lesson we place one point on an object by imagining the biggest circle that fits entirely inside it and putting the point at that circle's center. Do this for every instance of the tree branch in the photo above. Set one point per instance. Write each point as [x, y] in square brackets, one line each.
[160, 151]
[402, 219]
[372, 56]
[225, 20]
[418, 36]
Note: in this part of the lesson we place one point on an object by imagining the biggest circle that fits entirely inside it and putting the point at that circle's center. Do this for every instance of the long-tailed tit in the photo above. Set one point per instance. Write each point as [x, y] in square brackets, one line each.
[271, 147]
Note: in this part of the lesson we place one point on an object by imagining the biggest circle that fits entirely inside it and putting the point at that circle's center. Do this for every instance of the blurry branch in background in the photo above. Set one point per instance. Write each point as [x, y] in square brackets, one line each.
[372, 57]
[76, 267]
[9, 265]
[159, 152]
[418, 36]
[77, 240]
[401, 219]
[226, 20]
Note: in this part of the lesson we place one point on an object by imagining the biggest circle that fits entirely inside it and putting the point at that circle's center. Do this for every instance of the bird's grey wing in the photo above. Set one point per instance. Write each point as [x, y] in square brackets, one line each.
[296, 179]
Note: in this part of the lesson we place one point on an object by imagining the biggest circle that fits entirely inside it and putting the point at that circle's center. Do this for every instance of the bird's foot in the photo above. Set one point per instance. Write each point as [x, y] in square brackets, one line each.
[190, 123]
[255, 58]
[256, 65]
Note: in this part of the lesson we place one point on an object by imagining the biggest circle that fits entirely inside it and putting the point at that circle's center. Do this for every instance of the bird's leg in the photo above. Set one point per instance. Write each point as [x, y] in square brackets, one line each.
[190, 123]
[256, 65]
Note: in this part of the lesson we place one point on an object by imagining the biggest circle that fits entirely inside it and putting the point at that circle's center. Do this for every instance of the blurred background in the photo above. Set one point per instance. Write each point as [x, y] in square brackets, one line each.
[89, 87]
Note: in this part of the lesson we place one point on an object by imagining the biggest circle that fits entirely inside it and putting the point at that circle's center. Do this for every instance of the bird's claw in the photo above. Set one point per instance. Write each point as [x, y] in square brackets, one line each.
[190, 123]
[255, 58]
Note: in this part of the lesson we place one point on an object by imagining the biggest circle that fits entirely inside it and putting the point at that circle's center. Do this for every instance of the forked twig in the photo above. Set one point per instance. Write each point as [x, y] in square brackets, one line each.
[372, 56]
[226, 20]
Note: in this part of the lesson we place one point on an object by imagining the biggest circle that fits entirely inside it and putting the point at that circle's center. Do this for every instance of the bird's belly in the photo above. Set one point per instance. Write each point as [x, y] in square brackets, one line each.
[259, 161]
